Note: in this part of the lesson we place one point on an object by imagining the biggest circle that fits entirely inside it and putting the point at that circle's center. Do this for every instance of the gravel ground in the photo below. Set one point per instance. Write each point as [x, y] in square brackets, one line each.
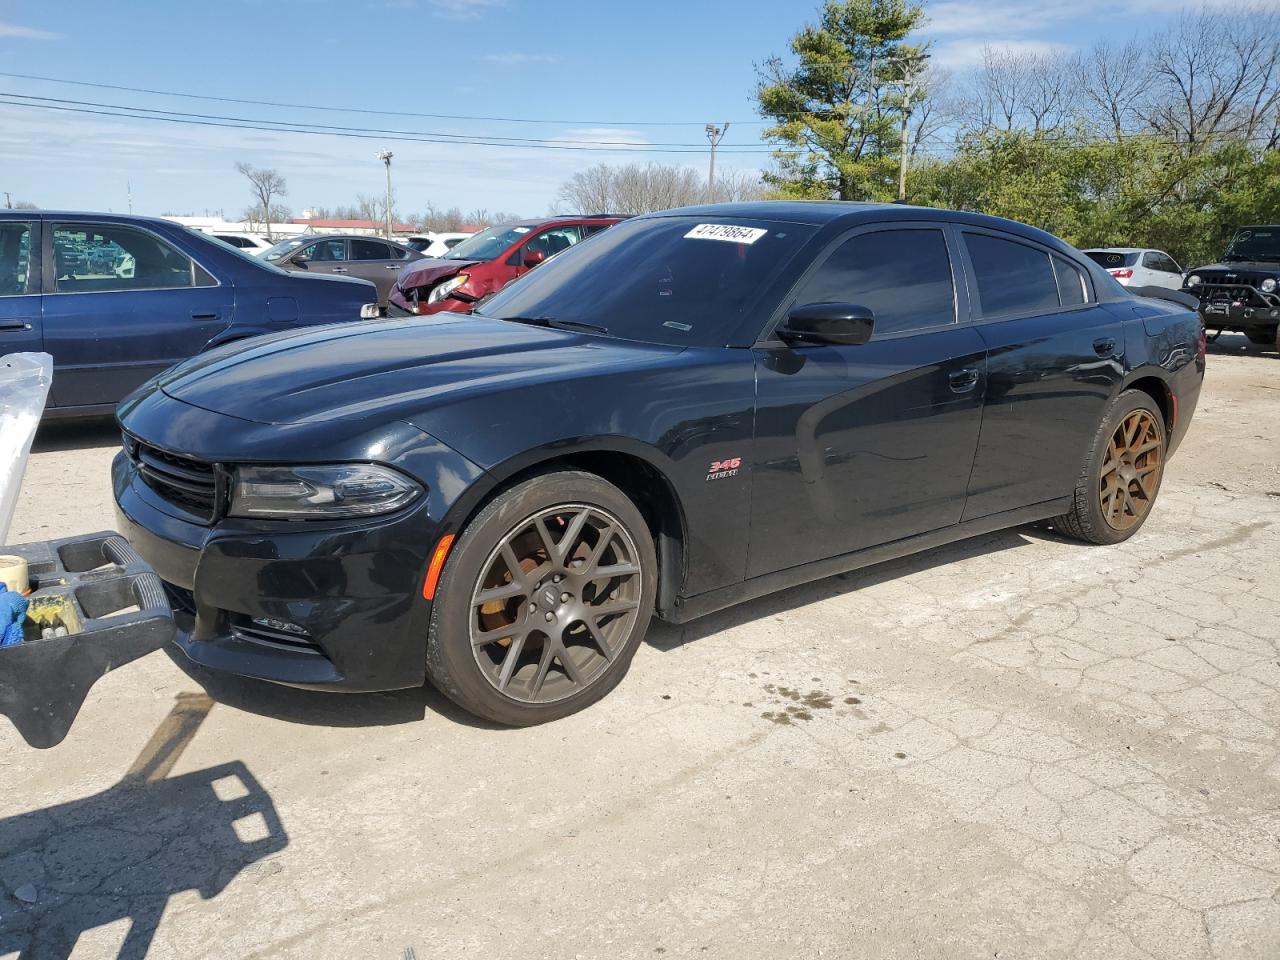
[1012, 747]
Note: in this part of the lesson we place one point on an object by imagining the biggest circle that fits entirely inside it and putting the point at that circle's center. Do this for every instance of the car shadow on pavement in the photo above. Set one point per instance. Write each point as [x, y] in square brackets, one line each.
[56, 436]
[121, 854]
[1238, 345]
[323, 709]
[667, 637]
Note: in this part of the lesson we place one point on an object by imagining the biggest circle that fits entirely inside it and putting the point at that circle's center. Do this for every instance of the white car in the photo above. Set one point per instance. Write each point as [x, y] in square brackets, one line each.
[248, 242]
[1138, 266]
[434, 244]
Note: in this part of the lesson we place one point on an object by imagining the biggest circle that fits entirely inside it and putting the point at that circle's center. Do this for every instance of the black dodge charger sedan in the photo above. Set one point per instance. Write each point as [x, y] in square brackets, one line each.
[695, 408]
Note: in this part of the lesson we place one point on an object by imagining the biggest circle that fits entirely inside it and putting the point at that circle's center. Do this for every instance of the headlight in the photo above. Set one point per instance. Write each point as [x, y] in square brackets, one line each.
[442, 290]
[1268, 285]
[1193, 280]
[319, 493]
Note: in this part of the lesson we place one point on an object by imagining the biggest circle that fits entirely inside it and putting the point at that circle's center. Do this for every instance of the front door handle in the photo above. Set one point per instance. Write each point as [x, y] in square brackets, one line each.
[15, 324]
[393, 266]
[204, 316]
[339, 269]
[962, 381]
[1104, 346]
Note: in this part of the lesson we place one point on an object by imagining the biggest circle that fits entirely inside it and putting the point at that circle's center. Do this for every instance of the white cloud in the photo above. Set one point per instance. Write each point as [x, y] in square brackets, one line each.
[997, 17]
[961, 54]
[16, 32]
[464, 9]
[515, 59]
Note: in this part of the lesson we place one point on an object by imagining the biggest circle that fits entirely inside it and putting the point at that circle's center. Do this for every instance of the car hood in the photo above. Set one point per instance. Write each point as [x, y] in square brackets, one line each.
[389, 368]
[1241, 266]
[429, 270]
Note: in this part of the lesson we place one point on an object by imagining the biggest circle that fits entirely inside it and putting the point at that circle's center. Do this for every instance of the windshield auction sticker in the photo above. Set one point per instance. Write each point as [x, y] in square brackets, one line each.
[723, 231]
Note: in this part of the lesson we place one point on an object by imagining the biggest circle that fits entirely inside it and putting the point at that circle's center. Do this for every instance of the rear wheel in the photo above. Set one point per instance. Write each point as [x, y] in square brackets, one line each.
[543, 601]
[1121, 476]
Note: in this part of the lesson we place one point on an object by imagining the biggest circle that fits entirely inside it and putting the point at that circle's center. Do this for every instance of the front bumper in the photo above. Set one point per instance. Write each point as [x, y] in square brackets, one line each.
[353, 590]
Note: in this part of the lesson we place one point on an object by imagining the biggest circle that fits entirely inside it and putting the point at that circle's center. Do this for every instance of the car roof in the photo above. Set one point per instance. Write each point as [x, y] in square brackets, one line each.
[81, 215]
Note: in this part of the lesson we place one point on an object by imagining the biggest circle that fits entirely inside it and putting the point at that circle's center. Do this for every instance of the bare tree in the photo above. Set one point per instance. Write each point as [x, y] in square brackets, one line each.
[641, 188]
[1049, 91]
[1217, 75]
[24, 205]
[1113, 84]
[264, 184]
[590, 190]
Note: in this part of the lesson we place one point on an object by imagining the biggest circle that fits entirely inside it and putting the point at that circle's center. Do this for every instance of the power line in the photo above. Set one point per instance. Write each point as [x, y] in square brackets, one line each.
[235, 123]
[384, 113]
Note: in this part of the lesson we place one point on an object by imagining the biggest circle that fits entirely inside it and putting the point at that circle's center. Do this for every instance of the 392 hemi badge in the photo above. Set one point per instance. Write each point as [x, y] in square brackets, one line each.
[723, 469]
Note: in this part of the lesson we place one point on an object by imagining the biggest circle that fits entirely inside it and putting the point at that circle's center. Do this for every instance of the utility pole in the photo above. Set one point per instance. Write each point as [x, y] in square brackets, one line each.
[128, 189]
[385, 157]
[714, 136]
[8, 201]
[908, 84]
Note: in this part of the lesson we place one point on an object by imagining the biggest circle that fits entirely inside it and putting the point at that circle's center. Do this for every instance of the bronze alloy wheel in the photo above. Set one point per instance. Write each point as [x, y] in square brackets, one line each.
[555, 602]
[1130, 474]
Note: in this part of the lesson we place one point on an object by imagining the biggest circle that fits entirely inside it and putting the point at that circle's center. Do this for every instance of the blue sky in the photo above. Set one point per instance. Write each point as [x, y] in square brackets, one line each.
[594, 69]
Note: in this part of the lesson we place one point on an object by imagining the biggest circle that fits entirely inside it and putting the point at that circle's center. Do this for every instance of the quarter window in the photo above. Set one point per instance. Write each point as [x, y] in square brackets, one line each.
[903, 276]
[15, 258]
[88, 257]
[1012, 278]
[1071, 288]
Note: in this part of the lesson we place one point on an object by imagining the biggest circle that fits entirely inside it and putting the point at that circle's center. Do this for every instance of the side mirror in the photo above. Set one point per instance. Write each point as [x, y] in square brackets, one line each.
[534, 257]
[300, 259]
[842, 324]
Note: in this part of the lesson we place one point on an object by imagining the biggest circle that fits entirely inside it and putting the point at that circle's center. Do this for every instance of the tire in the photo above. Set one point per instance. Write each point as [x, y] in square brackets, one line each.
[561, 666]
[1095, 517]
[1262, 336]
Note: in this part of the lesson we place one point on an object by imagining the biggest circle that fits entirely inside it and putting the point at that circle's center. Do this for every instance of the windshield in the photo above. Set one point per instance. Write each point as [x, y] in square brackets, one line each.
[1111, 259]
[1254, 243]
[675, 280]
[285, 247]
[488, 244]
[225, 247]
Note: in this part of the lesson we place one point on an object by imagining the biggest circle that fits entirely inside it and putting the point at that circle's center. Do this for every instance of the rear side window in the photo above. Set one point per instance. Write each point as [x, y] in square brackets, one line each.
[1071, 288]
[15, 258]
[89, 257]
[903, 276]
[369, 250]
[1012, 278]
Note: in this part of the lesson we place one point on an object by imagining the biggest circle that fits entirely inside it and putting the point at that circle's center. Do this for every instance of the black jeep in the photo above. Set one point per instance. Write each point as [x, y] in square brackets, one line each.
[1243, 291]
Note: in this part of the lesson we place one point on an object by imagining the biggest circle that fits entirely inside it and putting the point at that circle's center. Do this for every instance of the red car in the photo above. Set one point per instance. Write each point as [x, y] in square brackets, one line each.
[485, 263]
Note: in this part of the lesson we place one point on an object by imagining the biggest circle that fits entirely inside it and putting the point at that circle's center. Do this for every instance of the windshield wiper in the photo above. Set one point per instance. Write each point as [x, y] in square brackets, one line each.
[557, 324]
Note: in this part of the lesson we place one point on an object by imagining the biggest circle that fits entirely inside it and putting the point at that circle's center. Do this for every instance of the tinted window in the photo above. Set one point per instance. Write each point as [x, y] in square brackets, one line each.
[15, 258]
[647, 279]
[1071, 288]
[1012, 278]
[554, 241]
[369, 250]
[904, 276]
[1111, 260]
[88, 257]
[1162, 262]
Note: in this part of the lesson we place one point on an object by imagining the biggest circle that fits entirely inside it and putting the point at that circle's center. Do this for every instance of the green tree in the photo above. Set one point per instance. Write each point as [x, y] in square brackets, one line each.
[837, 112]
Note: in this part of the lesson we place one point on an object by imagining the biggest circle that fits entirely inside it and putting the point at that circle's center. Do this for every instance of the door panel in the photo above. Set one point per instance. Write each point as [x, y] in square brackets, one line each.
[372, 260]
[19, 287]
[857, 446]
[117, 317]
[1050, 372]
[323, 256]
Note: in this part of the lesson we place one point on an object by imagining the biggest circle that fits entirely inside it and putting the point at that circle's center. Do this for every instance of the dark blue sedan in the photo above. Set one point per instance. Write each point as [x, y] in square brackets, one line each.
[116, 299]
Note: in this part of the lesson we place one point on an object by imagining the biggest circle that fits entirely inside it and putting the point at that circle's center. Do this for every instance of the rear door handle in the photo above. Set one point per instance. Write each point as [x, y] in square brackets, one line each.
[204, 316]
[1104, 346]
[393, 266]
[16, 324]
[962, 381]
[339, 269]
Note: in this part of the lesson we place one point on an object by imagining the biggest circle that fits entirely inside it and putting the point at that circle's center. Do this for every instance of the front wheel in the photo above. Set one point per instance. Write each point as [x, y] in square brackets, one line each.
[544, 600]
[1263, 336]
[1121, 476]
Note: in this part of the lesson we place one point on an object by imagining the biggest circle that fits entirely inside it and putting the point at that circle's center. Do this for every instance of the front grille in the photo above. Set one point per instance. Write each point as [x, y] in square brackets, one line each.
[190, 484]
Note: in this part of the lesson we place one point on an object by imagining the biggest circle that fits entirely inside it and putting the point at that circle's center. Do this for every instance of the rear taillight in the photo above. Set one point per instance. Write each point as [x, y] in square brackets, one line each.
[1121, 274]
[1202, 345]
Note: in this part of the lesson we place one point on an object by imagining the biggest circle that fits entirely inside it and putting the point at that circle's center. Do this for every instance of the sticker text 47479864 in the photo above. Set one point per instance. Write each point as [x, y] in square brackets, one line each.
[725, 231]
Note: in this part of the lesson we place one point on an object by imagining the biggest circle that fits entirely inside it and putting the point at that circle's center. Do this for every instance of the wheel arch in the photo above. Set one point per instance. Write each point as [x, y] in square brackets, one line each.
[1157, 388]
[632, 467]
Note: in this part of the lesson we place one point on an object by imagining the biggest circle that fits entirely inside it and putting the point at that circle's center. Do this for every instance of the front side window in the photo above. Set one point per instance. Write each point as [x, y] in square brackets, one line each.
[15, 258]
[902, 276]
[548, 243]
[1012, 277]
[325, 251]
[89, 257]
